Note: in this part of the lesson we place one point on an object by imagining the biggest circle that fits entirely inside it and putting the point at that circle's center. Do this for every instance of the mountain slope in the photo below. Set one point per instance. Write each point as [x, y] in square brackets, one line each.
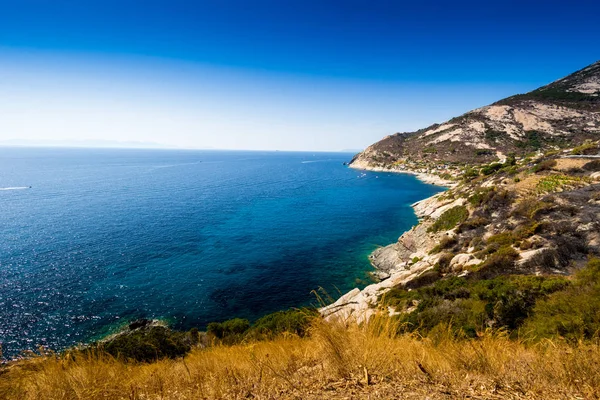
[562, 114]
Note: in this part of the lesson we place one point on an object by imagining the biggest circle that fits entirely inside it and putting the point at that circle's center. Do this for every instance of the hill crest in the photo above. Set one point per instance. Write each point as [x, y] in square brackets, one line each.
[562, 114]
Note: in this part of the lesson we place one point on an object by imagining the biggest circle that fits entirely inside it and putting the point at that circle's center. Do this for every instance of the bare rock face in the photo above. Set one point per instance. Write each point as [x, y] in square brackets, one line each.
[360, 305]
[401, 262]
[565, 111]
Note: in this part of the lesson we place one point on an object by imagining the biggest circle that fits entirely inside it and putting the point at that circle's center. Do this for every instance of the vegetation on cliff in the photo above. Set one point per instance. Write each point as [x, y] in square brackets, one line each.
[563, 114]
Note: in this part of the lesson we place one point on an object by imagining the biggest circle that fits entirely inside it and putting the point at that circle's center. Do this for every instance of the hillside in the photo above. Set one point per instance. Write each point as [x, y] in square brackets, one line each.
[524, 178]
[535, 216]
[562, 114]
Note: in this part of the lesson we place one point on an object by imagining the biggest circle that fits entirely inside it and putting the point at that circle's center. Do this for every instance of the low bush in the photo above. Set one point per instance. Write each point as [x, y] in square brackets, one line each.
[585, 149]
[491, 199]
[469, 306]
[533, 140]
[449, 219]
[470, 173]
[443, 263]
[473, 223]
[491, 168]
[545, 165]
[445, 243]
[558, 182]
[526, 230]
[501, 261]
[572, 313]
[480, 196]
[294, 321]
[532, 208]
[592, 166]
[233, 328]
[426, 278]
[525, 245]
[574, 171]
[503, 239]
[148, 344]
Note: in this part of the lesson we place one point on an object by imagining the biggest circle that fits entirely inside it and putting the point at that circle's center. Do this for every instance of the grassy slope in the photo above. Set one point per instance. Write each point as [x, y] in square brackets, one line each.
[333, 362]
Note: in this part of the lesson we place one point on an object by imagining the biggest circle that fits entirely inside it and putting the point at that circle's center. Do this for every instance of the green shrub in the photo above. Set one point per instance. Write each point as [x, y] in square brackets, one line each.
[492, 135]
[571, 313]
[509, 301]
[449, 219]
[147, 344]
[592, 166]
[511, 160]
[470, 305]
[234, 327]
[532, 208]
[470, 173]
[532, 140]
[489, 249]
[491, 168]
[480, 196]
[526, 230]
[296, 321]
[444, 262]
[473, 223]
[501, 261]
[545, 165]
[491, 199]
[503, 239]
[445, 243]
[525, 245]
[558, 182]
[425, 278]
[585, 149]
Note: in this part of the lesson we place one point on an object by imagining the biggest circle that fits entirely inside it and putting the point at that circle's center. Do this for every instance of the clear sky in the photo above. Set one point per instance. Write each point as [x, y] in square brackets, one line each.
[278, 74]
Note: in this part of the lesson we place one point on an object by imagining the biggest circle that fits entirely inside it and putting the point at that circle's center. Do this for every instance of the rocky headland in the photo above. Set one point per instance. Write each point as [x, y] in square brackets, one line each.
[524, 194]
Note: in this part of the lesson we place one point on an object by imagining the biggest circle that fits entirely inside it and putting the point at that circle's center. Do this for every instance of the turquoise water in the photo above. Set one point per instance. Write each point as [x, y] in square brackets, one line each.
[106, 236]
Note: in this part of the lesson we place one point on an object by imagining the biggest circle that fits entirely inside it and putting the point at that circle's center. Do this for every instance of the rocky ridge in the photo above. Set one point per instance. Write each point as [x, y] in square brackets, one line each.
[563, 114]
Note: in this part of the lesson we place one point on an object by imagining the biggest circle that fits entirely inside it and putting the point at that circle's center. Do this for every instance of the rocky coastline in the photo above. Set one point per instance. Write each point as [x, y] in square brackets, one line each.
[527, 216]
[425, 176]
[396, 263]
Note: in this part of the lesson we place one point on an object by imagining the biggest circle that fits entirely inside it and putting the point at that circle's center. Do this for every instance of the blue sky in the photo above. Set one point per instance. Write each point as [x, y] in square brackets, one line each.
[289, 75]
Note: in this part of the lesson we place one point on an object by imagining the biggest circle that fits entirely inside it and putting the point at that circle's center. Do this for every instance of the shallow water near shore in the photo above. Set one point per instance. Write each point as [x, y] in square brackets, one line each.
[91, 238]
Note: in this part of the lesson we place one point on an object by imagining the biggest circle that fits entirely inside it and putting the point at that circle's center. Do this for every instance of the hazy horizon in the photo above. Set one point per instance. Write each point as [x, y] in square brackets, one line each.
[107, 144]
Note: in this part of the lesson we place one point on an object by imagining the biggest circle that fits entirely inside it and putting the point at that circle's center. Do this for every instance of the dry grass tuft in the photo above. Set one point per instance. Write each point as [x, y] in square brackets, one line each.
[335, 362]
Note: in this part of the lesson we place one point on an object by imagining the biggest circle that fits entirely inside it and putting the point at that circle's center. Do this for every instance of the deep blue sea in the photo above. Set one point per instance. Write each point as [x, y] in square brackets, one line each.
[106, 236]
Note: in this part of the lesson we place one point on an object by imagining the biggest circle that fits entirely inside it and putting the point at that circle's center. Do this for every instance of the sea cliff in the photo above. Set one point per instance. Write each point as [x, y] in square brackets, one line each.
[529, 215]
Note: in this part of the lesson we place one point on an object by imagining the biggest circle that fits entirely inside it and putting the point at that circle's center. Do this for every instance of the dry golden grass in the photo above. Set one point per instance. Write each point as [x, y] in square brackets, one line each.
[527, 185]
[334, 363]
[565, 164]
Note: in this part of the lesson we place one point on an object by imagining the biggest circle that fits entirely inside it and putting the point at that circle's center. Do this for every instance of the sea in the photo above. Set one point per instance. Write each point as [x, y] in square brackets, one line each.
[91, 239]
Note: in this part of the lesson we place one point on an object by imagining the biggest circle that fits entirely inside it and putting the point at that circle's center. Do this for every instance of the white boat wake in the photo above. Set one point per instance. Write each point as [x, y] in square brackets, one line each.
[314, 161]
[16, 188]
